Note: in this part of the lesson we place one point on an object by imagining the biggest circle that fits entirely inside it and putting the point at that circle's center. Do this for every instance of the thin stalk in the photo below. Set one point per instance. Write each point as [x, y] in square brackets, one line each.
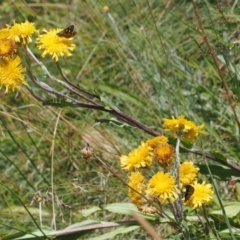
[178, 203]
[73, 85]
[215, 233]
[221, 204]
[52, 172]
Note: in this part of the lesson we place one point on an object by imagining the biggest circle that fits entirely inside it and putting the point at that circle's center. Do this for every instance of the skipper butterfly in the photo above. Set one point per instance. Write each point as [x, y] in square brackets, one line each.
[189, 192]
[67, 32]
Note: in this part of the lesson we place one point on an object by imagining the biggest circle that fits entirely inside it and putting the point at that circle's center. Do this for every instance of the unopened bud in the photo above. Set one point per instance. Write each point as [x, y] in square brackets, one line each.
[87, 151]
[105, 8]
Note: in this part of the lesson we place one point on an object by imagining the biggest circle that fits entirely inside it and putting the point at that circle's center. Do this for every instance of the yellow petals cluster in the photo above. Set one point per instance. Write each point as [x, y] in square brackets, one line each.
[188, 173]
[4, 33]
[169, 185]
[11, 70]
[7, 48]
[162, 185]
[137, 185]
[7, 45]
[156, 148]
[11, 74]
[142, 157]
[54, 45]
[22, 32]
[139, 157]
[18, 33]
[155, 142]
[136, 192]
[164, 154]
[182, 128]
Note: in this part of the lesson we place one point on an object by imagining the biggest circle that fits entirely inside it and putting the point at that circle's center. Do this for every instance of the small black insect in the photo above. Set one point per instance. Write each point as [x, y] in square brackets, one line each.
[189, 192]
[67, 32]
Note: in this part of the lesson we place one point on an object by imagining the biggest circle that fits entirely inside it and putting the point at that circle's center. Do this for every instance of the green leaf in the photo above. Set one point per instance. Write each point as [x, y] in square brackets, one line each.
[78, 231]
[113, 121]
[121, 208]
[219, 156]
[112, 234]
[89, 211]
[83, 223]
[187, 144]
[219, 172]
[232, 209]
[127, 208]
[13, 236]
[36, 234]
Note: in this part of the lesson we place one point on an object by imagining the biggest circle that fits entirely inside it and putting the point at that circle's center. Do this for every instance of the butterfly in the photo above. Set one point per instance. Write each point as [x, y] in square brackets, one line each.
[189, 192]
[67, 32]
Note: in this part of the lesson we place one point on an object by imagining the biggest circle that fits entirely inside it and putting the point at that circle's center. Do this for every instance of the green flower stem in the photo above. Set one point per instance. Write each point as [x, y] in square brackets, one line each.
[178, 203]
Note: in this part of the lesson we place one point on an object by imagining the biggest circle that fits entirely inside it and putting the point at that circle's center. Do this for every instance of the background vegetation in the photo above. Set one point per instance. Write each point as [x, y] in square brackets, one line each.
[148, 58]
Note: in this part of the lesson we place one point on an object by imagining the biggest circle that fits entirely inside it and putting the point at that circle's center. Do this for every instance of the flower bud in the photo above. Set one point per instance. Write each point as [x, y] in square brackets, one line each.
[87, 151]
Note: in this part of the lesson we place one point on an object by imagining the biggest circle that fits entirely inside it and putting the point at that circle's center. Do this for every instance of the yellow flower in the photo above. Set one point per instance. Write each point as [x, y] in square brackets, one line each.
[180, 127]
[202, 195]
[4, 33]
[139, 157]
[188, 173]
[11, 74]
[137, 182]
[22, 32]
[164, 155]
[154, 142]
[162, 185]
[55, 45]
[7, 48]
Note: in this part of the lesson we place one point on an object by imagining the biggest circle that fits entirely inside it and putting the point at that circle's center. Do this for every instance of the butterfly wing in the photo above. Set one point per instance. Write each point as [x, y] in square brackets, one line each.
[67, 32]
[189, 192]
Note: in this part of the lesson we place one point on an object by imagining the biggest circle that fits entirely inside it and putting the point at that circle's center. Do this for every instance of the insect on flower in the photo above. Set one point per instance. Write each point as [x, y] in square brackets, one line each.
[67, 32]
[189, 192]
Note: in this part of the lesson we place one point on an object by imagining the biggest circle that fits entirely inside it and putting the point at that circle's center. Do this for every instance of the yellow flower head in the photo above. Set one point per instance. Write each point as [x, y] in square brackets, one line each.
[139, 157]
[203, 194]
[54, 45]
[154, 142]
[11, 74]
[162, 185]
[22, 32]
[7, 48]
[164, 155]
[4, 33]
[188, 173]
[180, 127]
[137, 182]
